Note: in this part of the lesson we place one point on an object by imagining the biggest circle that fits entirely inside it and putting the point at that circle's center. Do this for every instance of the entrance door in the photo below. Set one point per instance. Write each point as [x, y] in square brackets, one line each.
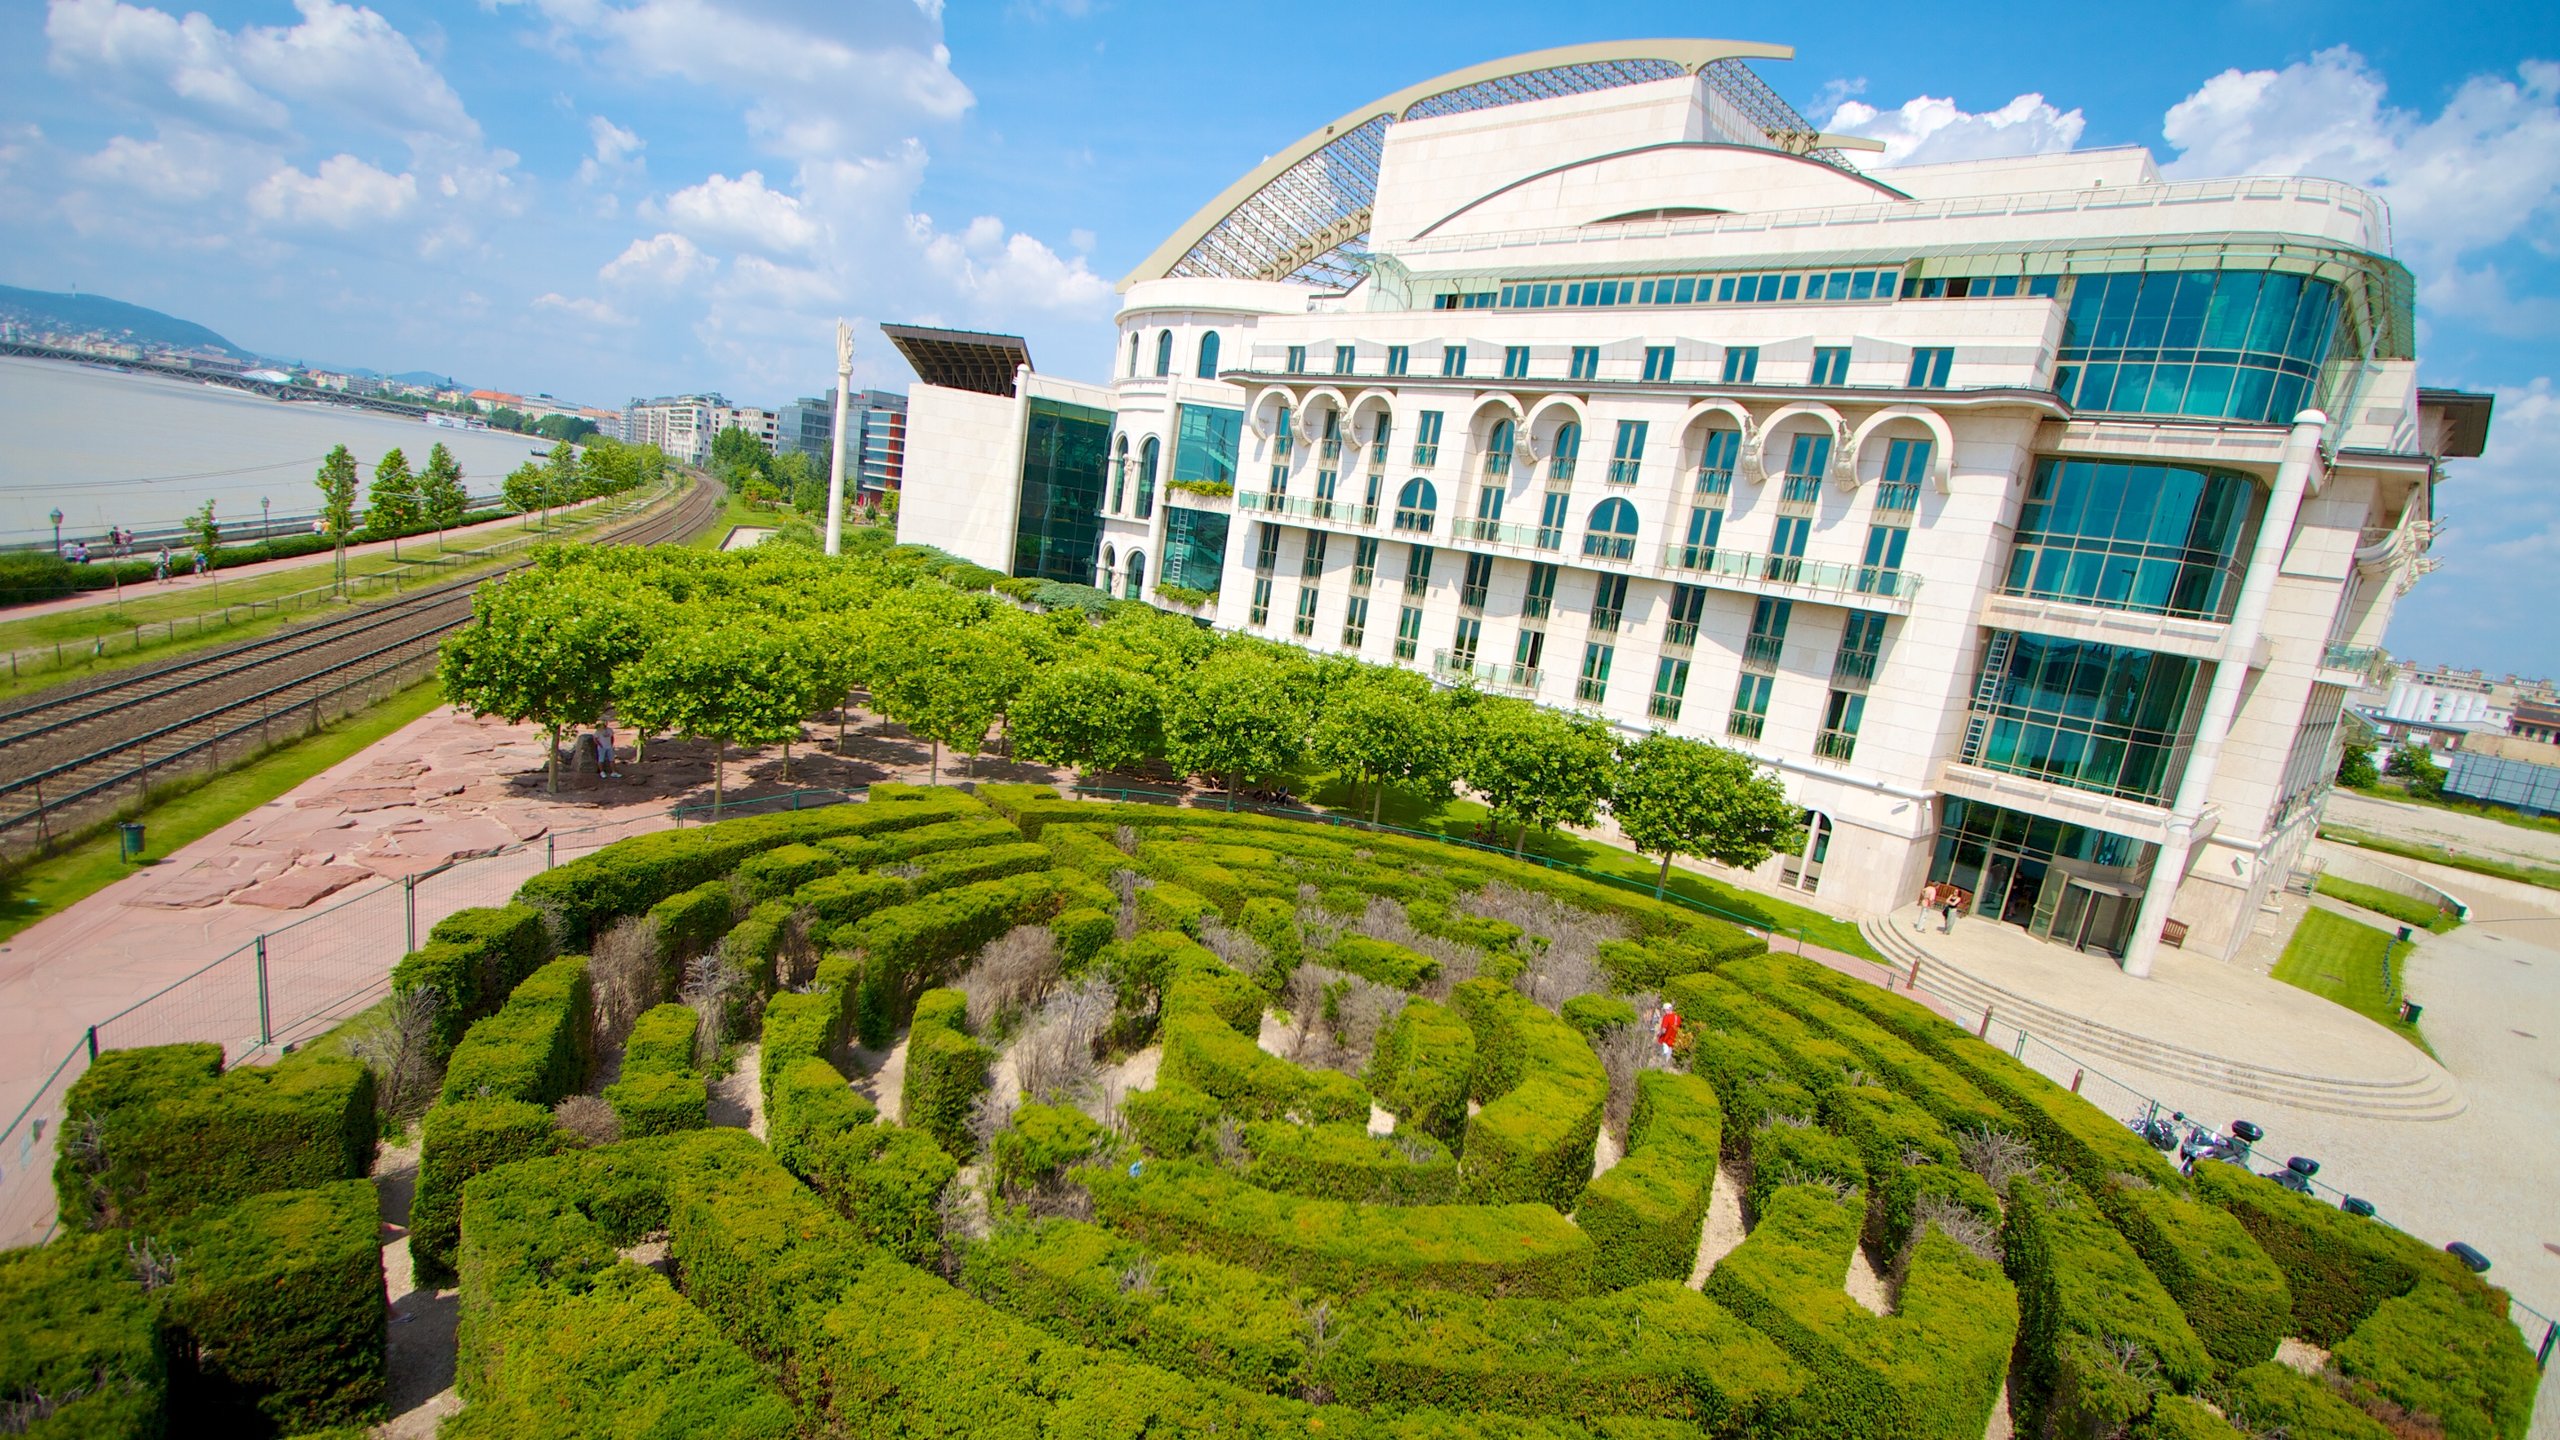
[2020, 906]
[1995, 885]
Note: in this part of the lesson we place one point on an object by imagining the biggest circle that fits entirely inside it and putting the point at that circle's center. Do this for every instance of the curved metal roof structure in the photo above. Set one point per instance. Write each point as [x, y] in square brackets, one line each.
[1303, 214]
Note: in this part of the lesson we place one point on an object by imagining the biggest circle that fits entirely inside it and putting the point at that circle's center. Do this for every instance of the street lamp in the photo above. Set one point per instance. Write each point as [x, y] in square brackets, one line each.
[57, 532]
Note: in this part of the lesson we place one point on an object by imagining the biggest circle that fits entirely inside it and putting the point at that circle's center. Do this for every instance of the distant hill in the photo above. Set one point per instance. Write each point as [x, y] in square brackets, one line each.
[424, 377]
[96, 312]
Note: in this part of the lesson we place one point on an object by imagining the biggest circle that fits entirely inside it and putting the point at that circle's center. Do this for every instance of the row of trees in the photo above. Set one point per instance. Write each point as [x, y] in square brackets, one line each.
[742, 649]
[568, 475]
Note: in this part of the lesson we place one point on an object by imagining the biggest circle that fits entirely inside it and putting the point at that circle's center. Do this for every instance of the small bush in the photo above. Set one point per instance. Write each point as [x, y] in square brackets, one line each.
[946, 1071]
[279, 1299]
[80, 1344]
[150, 1135]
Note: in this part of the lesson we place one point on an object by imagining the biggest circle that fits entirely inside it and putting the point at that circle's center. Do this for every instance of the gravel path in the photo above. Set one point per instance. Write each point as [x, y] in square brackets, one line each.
[422, 1321]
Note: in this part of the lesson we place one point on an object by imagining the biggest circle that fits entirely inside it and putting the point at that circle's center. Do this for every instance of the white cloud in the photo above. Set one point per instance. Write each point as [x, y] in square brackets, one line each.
[756, 280]
[617, 151]
[587, 308]
[1000, 272]
[352, 62]
[2484, 170]
[2501, 520]
[666, 260]
[346, 194]
[150, 56]
[181, 166]
[1927, 129]
[744, 212]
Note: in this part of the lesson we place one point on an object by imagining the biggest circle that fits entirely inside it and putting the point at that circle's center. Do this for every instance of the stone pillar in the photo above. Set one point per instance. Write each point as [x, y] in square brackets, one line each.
[2294, 477]
[844, 409]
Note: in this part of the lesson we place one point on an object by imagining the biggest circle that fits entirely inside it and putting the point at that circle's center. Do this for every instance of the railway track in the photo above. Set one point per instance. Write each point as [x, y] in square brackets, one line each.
[69, 754]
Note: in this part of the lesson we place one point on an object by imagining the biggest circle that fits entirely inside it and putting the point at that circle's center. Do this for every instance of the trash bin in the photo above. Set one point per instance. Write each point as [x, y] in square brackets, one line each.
[2410, 1010]
[132, 833]
[2404, 935]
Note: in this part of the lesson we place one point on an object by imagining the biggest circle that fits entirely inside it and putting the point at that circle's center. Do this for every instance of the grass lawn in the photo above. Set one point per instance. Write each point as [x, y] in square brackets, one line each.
[189, 811]
[2541, 875]
[2384, 902]
[154, 623]
[1464, 819]
[2350, 964]
[736, 511]
[2549, 824]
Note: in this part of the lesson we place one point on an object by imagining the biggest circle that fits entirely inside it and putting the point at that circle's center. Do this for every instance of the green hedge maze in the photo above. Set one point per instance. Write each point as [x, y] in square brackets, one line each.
[1116, 1120]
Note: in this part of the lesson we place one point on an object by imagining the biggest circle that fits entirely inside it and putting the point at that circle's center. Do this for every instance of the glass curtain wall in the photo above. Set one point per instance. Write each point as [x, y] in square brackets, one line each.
[2105, 718]
[2162, 539]
[1195, 547]
[1204, 444]
[2063, 882]
[1057, 532]
[2223, 344]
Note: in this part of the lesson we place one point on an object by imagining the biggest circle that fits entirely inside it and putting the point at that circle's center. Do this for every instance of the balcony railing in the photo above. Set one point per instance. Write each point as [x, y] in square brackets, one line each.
[1761, 652]
[1456, 669]
[1560, 469]
[1415, 520]
[1743, 725]
[1306, 507]
[1417, 583]
[1590, 691]
[1853, 668]
[1605, 622]
[1624, 471]
[2360, 658]
[1471, 597]
[1680, 635]
[1609, 547]
[1900, 497]
[1791, 571]
[1800, 494]
[1835, 744]
[1537, 607]
[1496, 532]
[1663, 707]
[1715, 482]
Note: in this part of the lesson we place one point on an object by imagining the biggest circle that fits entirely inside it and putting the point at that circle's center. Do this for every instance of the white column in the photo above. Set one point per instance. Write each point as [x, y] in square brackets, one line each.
[844, 409]
[2294, 476]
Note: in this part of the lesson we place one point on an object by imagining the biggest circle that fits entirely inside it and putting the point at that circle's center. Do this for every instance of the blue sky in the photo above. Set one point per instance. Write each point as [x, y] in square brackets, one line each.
[597, 198]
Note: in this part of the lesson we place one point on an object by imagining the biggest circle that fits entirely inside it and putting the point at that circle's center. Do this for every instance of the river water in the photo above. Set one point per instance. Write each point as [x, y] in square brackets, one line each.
[146, 450]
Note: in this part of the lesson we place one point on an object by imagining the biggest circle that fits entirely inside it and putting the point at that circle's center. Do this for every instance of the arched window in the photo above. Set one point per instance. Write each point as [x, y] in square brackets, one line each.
[1209, 356]
[1497, 451]
[1416, 504]
[1133, 354]
[1612, 534]
[1804, 871]
[1147, 456]
[1568, 450]
[1137, 587]
[1110, 564]
[1120, 476]
[1164, 352]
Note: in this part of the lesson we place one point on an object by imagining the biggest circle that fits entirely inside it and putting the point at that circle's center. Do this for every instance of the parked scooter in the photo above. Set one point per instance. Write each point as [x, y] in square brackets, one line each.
[2161, 1135]
[2296, 1174]
[2203, 1145]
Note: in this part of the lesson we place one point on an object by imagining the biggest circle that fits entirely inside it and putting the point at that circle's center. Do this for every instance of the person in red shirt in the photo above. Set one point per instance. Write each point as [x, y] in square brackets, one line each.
[1669, 1035]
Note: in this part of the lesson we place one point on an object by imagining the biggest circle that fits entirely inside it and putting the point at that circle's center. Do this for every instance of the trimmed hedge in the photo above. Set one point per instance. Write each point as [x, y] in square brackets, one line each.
[168, 1131]
[280, 1302]
[1044, 1142]
[807, 1104]
[752, 944]
[1932, 1369]
[896, 847]
[1387, 963]
[1207, 1053]
[984, 862]
[1080, 932]
[887, 1181]
[1542, 1092]
[848, 895]
[2084, 1299]
[659, 1091]
[1526, 1250]
[1808, 1057]
[1421, 1069]
[1644, 1214]
[629, 876]
[2438, 1351]
[689, 923]
[785, 868]
[2270, 1399]
[76, 1328]
[473, 960]
[1597, 1015]
[1786, 1155]
[946, 1072]
[2233, 1295]
[2338, 1266]
[537, 1047]
[1751, 1082]
[461, 1139]
[904, 947]
[1343, 1161]
[1957, 1103]
[1171, 1119]
[1907, 1157]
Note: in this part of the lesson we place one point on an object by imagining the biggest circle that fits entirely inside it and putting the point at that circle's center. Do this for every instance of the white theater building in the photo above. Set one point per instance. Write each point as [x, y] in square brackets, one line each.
[2032, 518]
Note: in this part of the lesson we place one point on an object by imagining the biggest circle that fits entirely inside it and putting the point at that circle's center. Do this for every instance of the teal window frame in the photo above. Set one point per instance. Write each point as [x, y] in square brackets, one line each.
[1658, 361]
[1164, 353]
[1355, 622]
[1453, 360]
[1408, 632]
[1426, 438]
[1399, 359]
[1515, 362]
[2108, 719]
[1150, 456]
[1498, 445]
[1568, 452]
[1610, 531]
[2232, 344]
[1477, 584]
[1551, 516]
[1670, 687]
[1195, 547]
[1364, 561]
[1296, 362]
[1741, 364]
[1346, 359]
[1626, 460]
[1207, 439]
[1929, 366]
[1303, 624]
[1749, 718]
[1538, 600]
[2157, 539]
[1417, 505]
[1586, 362]
[1830, 365]
[1208, 366]
[1592, 685]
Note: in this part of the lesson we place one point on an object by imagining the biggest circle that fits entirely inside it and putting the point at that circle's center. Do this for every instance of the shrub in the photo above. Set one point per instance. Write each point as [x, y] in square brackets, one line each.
[905, 946]
[1542, 1092]
[2271, 1399]
[752, 943]
[1788, 1154]
[785, 868]
[150, 1135]
[1957, 1103]
[1081, 932]
[887, 1181]
[2233, 1295]
[2099, 1341]
[985, 862]
[2439, 1351]
[459, 1140]
[1808, 1057]
[1750, 1081]
[2338, 1266]
[1597, 1015]
[1204, 1051]
[1644, 1213]
[279, 1300]
[1421, 1069]
[537, 1047]
[659, 1103]
[1042, 1143]
[1343, 1248]
[946, 1071]
[1379, 960]
[78, 1333]
[690, 923]
[473, 960]
[1932, 1369]
[1171, 1119]
[1343, 1161]
[1906, 1158]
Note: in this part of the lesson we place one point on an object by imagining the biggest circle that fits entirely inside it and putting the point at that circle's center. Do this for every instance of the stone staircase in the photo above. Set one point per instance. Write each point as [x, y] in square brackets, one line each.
[2418, 1090]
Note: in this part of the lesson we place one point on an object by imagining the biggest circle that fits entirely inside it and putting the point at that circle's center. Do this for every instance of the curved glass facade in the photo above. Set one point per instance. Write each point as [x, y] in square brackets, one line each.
[2218, 344]
[2094, 717]
[2162, 539]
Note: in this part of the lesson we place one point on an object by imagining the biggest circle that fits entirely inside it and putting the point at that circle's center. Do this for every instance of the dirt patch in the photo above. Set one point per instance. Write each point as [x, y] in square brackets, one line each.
[422, 1320]
[1865, 1286]
[737, 1099]
[1723, 1229]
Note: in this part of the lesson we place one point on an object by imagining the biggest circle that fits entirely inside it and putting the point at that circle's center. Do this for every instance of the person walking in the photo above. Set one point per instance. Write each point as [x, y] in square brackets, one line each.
[1950, 900]
[160, 566]
[1668, 1035]
[1928, 902]
[605, 751]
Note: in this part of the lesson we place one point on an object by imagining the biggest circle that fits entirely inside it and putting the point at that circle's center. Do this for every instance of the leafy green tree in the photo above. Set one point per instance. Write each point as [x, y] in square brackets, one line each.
[949, 685]
[1538, 767]
[734, 683]
[559, 478]
[393, 500]
[1237, 715]
[522, 489]
[2355, 768]
[441, 498]
[337, 482]
[1686, 797]
[2417, 769]
[1383, 726]
[543, 647]
[738, 457]
[1090, 714]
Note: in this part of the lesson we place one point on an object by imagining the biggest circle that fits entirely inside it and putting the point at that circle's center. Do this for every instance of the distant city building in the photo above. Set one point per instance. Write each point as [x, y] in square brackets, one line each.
[2031, 518]
[877, 447]
[681, 425]
[806, 426]
[758, 423]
